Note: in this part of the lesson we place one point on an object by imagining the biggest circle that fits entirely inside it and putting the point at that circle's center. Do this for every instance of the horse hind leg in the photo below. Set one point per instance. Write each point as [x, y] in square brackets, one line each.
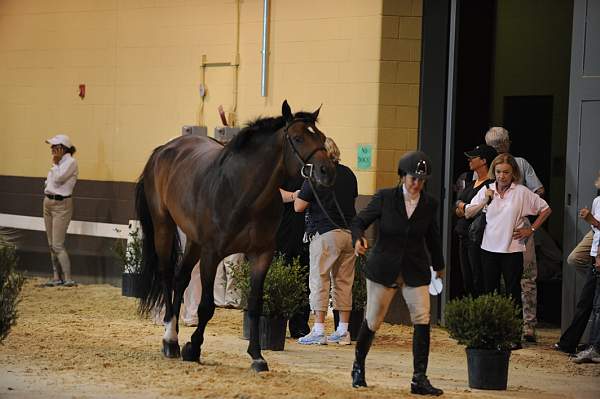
[165, 242]
[183, 275]
[206, 309]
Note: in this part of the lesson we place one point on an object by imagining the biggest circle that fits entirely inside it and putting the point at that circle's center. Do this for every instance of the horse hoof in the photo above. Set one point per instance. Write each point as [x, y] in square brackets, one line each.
[260, 365]
[188, 353]
[170, 349]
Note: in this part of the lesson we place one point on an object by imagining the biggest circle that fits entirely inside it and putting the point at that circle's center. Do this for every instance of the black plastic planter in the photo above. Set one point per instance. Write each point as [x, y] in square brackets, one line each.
[131, 285]
[488, 368]
[356, 319]
[271, 332]
[246, 326]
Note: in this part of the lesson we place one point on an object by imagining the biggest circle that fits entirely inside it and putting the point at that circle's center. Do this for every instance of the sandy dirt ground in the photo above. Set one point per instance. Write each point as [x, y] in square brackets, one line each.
[88, 342]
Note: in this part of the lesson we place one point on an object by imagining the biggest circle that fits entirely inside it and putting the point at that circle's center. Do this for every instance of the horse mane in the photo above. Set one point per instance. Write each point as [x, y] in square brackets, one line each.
[257, 129]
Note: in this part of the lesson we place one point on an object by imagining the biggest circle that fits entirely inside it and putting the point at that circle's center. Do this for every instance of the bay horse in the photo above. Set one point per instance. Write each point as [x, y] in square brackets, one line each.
[226, 200]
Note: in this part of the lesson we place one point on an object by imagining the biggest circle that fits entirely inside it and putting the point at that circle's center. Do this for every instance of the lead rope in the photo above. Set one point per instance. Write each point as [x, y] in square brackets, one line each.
[339, 209]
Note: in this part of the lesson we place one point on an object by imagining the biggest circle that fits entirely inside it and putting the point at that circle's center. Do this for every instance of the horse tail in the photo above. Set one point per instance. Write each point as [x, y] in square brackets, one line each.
[151, 279]
[150, 284]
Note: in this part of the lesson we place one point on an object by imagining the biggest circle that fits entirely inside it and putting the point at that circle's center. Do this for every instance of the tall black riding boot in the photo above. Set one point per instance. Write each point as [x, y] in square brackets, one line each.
[420, 384]
[363, 344]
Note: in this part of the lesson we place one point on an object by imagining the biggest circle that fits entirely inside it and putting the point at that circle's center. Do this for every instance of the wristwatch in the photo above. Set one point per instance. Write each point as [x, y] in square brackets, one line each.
[532, 229]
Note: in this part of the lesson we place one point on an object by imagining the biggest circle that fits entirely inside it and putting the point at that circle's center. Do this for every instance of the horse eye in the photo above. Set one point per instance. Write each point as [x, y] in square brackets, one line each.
[298, 139]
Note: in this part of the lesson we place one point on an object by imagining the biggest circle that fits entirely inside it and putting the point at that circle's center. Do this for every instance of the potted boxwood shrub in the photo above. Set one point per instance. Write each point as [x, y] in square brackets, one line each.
[129, 253]
[284, 294]
[487, 325]
[11, 283]
[359, 299]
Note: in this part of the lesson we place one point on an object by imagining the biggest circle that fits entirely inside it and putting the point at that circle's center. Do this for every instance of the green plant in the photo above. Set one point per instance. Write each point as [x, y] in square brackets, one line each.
[488, 322]
[129, 251]
[284, 290]
[359, 286]
[11, 283]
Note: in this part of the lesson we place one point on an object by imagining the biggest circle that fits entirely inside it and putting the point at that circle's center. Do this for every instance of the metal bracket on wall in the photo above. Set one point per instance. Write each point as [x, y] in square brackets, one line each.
[234, 63]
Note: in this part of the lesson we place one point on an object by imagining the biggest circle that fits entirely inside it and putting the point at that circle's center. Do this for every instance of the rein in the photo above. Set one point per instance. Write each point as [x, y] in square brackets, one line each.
[337, 205]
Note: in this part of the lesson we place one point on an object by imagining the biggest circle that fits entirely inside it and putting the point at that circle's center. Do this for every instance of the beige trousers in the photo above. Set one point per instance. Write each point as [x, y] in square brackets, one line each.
[379, 298]
[57, 216]
[529, 288]
[192, 296]
[580, 255]
[225, 291]
[331, 268]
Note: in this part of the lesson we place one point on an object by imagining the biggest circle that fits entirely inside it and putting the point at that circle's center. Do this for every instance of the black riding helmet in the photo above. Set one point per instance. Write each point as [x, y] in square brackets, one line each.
[416, 164]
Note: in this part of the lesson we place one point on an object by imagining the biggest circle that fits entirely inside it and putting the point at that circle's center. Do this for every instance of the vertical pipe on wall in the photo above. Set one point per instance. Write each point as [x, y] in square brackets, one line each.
[265, 36]
[235, 62]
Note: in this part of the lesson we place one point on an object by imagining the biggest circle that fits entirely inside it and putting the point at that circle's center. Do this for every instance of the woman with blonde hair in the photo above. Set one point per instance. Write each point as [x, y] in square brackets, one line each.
[506, 230]
[331, 254]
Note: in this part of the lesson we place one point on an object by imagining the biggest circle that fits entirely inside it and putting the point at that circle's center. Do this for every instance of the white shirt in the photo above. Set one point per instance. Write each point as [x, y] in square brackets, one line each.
[410, 201]
[596, 213]
[506, 214]
[62, 177]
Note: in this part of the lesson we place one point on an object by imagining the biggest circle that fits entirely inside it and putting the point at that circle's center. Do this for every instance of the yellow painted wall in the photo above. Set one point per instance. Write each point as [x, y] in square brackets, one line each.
[399, 86]
[141, 63]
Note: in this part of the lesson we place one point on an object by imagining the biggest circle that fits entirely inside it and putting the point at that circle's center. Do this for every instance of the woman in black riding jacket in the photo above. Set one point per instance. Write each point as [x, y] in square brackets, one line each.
[407, 230]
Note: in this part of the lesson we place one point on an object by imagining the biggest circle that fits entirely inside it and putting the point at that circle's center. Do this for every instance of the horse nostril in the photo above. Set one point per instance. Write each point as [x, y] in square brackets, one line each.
[323, 169]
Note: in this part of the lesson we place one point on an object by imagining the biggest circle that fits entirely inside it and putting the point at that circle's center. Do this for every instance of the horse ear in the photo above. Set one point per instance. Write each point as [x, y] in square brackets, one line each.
[286, 111]
[316, 113]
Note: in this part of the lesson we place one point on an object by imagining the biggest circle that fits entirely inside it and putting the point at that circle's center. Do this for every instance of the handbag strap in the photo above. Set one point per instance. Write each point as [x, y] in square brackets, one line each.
[484, 210]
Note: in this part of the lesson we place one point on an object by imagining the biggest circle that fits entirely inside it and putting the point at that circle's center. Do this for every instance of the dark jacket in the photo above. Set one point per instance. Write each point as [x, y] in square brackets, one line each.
[402, 244]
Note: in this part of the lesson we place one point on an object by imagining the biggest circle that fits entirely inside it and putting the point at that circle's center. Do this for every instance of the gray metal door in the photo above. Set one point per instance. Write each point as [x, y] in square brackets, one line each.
[583, 141]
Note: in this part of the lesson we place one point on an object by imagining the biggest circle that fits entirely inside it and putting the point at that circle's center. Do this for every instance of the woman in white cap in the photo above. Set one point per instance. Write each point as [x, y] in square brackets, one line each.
[58, 206]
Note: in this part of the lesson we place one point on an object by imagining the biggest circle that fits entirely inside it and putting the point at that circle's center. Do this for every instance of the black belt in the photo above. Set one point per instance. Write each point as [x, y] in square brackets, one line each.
[57, 197]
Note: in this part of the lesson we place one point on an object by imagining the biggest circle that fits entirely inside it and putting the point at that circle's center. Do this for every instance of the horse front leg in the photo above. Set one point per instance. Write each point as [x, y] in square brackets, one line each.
[206, 309]
[258, 271]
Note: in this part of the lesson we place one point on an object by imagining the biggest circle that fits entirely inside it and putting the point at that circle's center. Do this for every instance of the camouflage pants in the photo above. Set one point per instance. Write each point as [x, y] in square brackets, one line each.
[529, 288]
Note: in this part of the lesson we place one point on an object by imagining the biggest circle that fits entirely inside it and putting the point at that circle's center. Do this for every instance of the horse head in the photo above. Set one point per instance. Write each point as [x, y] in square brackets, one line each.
[305, 144]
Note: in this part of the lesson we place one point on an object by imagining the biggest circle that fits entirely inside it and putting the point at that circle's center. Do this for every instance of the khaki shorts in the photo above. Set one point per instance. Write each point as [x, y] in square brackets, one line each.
[331, 267]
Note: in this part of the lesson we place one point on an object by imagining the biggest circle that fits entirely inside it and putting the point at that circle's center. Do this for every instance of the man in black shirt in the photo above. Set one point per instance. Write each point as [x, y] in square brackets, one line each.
[331, 250]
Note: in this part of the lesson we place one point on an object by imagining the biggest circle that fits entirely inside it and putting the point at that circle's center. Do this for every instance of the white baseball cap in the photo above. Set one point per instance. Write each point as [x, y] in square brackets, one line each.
[60, 139]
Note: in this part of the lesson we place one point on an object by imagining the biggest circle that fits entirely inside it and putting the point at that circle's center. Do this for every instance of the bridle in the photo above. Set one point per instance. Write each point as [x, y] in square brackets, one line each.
[305, 162]
[308, 176]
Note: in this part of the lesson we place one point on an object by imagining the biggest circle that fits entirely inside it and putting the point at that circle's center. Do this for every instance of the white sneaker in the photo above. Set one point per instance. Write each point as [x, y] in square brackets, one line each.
[341, 339]
[589, 355]
[313, 338]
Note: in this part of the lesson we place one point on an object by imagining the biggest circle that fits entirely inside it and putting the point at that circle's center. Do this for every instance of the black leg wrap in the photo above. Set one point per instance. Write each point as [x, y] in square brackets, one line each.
[363, 344]
[188, 353]
[420, 385]
[170, 349]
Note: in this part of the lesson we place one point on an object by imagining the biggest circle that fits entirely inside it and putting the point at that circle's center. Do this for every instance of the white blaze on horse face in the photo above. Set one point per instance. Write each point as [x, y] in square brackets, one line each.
[171, 331]
[310, 129]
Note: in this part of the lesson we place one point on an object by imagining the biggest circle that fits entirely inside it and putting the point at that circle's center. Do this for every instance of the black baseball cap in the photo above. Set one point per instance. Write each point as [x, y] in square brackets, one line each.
[483, 151]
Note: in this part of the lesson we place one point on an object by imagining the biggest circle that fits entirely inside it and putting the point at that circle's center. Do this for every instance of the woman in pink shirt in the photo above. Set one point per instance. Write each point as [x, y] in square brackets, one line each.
[505, 234]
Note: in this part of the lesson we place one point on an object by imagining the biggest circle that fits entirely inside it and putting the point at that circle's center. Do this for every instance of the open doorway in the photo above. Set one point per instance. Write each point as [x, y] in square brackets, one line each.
[512, 70]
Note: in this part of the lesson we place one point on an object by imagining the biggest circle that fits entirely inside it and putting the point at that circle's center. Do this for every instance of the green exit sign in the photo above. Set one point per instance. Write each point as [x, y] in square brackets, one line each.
[364, 156]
